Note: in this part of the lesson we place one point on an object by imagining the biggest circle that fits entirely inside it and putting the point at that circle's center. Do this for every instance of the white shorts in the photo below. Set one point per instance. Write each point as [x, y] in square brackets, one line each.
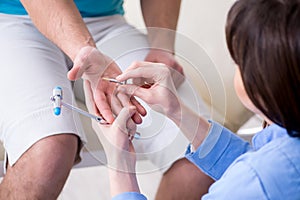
[31, 66]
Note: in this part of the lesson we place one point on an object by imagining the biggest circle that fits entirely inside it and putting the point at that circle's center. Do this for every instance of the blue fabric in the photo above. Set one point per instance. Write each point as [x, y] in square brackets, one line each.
[87, 8]
[219, 149]
[268, 170]
[130, 196]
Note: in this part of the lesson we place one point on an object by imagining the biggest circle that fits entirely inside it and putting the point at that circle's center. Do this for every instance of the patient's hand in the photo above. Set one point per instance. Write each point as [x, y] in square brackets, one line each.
[90, 64]
[167, 58]
[161, 94]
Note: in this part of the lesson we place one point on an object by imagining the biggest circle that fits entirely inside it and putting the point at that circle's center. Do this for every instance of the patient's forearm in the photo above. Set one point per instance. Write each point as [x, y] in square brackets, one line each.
[164, 16]
[60, 22]
[193, 126]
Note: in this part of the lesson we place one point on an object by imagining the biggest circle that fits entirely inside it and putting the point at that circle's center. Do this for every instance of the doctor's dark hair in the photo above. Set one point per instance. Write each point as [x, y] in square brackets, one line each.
[263, 38]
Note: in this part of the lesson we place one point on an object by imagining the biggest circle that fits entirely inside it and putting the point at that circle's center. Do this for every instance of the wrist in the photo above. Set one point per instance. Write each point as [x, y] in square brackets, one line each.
[121, 182]
[164, 52]
[121, 161]
[83, 52]
[87, 42]
[161, 39]
[194, 127]
[176, 114]
[122, 175]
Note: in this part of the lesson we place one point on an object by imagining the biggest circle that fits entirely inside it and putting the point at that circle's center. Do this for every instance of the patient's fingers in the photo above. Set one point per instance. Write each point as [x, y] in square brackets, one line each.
[116, 105]
[125, 101]
[138, 106]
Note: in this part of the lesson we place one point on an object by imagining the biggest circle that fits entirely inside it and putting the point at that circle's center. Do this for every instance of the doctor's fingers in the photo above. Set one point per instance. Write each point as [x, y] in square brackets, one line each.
[152, 73]
[139, 64]
[124, 123]
[140, 92]
[140, 81]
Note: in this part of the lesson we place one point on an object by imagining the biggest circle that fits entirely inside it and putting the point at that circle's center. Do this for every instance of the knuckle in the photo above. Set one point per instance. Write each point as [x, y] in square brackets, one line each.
[135, 64]
[165, 71]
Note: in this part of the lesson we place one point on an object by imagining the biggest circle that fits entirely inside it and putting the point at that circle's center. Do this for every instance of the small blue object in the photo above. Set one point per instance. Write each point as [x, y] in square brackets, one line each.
[137, 136]
[56, 98]
[57, 111]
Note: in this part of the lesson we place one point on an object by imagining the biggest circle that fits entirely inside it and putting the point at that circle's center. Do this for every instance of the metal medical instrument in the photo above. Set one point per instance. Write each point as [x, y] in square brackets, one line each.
[58, 102]
[112, 80]
[57, 99]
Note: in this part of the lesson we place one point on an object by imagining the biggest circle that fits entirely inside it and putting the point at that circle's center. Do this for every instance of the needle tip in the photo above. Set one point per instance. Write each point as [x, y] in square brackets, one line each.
[112, 80]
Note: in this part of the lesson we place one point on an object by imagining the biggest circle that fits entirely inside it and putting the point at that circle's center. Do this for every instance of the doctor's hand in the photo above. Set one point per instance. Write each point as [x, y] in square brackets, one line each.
[161, 95]
[167, 58]
[90, 64]
[116, 138]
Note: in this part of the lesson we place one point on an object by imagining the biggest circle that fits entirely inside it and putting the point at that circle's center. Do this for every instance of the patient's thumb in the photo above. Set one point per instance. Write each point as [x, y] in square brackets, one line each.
[73, 74]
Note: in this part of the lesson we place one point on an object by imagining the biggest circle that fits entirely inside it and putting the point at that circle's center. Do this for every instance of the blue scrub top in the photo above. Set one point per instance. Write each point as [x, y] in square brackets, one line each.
[87, 8]
[267, 169]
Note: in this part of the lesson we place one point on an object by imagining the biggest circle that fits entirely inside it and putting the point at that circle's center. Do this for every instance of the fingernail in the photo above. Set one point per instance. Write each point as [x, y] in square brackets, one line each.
[132, 109]
[118, 77]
